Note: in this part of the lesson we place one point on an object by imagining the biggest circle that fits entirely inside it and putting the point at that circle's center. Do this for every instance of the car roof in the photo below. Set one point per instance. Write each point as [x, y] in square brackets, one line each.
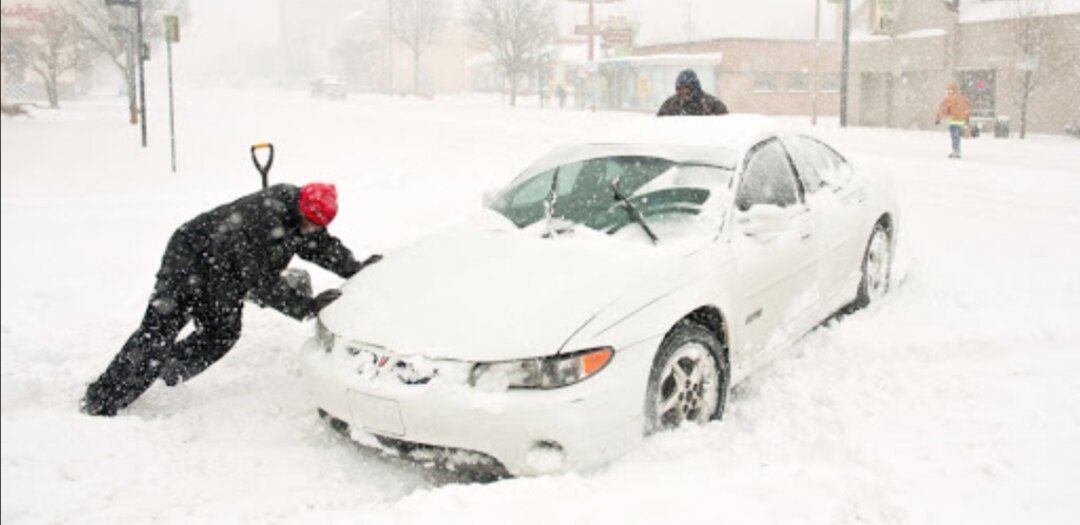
[734, 132]
[716, 141]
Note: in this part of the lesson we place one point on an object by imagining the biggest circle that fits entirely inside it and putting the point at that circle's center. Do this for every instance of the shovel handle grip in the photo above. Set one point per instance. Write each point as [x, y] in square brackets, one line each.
[264, 169]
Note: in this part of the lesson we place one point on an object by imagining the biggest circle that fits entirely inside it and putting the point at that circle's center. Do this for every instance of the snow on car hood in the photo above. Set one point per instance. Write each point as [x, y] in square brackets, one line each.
[482, 293]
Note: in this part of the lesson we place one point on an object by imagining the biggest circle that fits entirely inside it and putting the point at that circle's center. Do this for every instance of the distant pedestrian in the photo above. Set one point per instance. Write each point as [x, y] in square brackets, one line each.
[560, 92]
[957, 109]
[211, 264]
[689, 99]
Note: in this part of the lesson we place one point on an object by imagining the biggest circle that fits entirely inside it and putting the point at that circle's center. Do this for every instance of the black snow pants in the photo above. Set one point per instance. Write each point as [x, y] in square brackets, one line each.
[153, 351]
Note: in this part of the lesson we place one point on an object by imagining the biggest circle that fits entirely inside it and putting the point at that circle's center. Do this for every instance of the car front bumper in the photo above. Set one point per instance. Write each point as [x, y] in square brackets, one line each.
[530, 432]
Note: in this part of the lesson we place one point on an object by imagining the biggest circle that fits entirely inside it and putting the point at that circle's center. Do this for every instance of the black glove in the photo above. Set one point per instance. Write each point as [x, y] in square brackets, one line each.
[325, 298]
[169, 371]
[371, 260]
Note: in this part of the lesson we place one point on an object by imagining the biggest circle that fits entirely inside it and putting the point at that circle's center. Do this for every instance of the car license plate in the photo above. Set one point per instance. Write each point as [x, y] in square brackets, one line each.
[377, 414]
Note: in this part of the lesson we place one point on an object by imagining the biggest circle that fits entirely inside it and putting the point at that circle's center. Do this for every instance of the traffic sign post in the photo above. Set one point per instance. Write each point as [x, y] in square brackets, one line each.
[172, 34]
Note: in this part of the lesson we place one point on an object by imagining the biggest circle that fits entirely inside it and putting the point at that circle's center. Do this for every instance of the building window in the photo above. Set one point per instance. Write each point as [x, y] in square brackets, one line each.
[978, 86]
[882, 16]
[764, 83]
[798, 83]
[829, 83]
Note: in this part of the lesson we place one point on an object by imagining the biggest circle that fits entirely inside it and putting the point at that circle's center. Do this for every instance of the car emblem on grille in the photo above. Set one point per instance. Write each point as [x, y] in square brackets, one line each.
[374, 362]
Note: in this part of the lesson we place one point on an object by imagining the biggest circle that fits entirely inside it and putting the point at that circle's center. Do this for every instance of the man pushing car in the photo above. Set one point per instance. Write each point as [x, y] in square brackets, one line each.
[210, 265]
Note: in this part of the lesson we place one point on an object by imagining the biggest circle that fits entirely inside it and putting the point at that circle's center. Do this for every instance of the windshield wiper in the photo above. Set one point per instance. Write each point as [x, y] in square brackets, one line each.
[632, 210]
[549, 204]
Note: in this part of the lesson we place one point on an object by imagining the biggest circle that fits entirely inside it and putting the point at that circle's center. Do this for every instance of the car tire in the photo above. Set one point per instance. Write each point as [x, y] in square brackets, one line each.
[876, 268]
[688, 381]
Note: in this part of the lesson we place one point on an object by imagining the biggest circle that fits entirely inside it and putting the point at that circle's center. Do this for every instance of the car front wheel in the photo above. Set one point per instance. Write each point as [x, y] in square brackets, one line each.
[876, 266]
[689, 380]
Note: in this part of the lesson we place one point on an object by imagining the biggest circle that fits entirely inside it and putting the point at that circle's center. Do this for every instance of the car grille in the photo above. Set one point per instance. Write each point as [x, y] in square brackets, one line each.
[462, 464]
[374, 361]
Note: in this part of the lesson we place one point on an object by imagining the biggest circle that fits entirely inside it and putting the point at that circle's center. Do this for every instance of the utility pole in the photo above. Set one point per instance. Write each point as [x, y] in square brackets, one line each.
[590, 29]
[845, 65]
[817, 63]
[390, 46]
[591, 23]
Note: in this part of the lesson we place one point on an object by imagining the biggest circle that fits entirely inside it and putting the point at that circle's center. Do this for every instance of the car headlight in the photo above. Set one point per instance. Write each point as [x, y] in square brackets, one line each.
[323, 336]
[542, 372]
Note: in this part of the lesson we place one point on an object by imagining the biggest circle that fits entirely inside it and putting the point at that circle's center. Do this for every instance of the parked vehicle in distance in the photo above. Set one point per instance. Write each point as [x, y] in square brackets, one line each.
[329, 87]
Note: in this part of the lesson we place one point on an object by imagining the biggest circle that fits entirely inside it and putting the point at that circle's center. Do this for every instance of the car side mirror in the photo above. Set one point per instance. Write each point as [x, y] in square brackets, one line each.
[489, 196]
[763, 220]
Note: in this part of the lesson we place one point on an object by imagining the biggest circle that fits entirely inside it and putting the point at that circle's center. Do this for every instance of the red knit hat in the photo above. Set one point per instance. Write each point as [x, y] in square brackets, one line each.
[318, 202]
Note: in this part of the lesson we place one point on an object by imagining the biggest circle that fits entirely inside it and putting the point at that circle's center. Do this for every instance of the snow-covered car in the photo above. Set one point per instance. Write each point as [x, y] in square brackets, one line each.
[329, 87]
[613, 289]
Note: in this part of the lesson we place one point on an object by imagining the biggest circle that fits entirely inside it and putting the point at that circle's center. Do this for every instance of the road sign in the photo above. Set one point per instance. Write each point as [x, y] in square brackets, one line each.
[172, 28]
[618, 37]
[586, 30]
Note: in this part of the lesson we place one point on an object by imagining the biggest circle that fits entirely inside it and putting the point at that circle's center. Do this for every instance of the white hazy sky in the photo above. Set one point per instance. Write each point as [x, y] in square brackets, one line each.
[255, 21]
[240, 37]
[666, 20]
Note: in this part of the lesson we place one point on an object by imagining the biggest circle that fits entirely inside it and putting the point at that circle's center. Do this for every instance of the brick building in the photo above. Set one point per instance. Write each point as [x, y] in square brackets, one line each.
[767, 76]
[904, 53]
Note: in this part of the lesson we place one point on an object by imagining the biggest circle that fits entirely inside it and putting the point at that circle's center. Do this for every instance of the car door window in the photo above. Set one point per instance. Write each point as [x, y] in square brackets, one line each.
[818, 164]
[834, 170]
[768, 179]
[807, 158]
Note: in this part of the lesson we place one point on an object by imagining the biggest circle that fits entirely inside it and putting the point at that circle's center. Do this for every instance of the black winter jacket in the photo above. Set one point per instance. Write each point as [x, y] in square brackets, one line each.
[243, 247]
[698, 105]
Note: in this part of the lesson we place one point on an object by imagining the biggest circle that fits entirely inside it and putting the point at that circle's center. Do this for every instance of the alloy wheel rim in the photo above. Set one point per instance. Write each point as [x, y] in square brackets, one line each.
[877, 266]
[687, 389]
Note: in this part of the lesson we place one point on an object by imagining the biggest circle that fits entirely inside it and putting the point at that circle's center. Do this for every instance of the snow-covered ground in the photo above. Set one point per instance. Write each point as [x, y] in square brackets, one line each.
[955, 401]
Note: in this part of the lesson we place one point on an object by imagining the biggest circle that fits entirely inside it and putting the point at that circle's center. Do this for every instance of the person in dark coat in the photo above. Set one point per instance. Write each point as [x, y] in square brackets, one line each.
[210, 265]
[689, 99]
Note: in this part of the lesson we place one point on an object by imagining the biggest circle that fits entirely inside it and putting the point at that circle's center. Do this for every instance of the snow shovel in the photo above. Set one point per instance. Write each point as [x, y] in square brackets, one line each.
[294, 278]
[264, 169]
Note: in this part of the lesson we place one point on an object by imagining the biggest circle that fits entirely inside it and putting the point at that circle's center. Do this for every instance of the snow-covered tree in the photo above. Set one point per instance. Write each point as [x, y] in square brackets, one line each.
[48, 45]
[1031, 33]
[516, 33]
[416, 22]
[110, 31]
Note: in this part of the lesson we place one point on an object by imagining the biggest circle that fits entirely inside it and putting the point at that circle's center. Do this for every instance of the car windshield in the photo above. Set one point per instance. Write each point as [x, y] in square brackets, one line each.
[673, 198]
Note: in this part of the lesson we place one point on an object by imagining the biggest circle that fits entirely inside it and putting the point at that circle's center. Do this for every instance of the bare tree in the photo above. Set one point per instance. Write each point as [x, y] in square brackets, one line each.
[50, 46]
[516, 33]
[110, 31]
[415, 22]
[1031, 33]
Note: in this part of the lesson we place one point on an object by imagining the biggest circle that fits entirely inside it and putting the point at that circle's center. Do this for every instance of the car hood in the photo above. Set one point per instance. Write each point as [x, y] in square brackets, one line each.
[480, 293]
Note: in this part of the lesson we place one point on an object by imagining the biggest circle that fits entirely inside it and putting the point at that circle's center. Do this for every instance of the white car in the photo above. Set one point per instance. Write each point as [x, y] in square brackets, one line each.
[613, 289]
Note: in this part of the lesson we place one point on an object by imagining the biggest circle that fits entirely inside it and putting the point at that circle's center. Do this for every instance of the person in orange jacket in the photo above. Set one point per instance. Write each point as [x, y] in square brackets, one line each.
[957, 109]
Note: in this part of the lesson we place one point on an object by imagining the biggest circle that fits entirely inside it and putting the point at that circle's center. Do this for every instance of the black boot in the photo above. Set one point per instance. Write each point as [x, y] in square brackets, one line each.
[109, 394]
